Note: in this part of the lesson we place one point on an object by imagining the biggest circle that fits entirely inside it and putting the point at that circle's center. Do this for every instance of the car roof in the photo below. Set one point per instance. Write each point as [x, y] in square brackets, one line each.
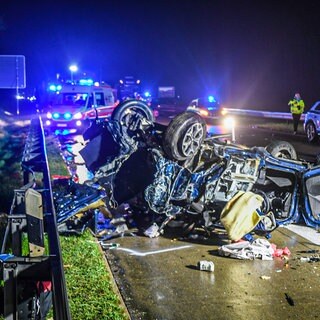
[203, 101]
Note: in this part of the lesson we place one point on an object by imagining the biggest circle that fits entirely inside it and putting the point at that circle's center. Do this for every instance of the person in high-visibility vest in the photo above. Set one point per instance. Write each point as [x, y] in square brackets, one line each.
[296, 109]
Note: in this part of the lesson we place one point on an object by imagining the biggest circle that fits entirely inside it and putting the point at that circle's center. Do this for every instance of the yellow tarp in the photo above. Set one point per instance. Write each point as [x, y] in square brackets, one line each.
[240, 215]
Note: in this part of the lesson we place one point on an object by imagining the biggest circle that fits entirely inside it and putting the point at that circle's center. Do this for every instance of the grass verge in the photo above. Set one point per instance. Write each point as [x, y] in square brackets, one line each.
[91, 293]
[90, 289]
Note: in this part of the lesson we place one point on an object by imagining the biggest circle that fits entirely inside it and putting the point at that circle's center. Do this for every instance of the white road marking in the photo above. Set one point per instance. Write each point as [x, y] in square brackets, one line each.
[147, 253]
[306, 232]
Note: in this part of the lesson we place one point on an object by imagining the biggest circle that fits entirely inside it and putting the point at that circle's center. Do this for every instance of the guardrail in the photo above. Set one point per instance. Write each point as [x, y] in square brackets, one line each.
[33, 212]
[262, 114]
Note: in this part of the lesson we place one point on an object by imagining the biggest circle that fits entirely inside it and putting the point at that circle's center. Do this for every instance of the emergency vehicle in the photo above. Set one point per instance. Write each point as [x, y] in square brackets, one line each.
[71, 104]
[129, 88]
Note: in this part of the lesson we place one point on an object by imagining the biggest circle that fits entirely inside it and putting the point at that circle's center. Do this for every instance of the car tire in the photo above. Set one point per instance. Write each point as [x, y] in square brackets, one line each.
[282, 149]
[184, 136]
[311, 132]
[127, 111]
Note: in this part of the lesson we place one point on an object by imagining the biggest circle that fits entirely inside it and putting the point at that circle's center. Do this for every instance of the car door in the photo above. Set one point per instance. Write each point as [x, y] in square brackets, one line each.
[311, 196]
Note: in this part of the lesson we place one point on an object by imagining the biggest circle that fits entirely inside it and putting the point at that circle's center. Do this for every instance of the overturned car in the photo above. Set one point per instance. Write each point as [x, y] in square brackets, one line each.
[180, 173]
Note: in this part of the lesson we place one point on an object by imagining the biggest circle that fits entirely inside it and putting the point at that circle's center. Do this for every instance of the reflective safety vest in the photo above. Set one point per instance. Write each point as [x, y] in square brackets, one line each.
[296, 106]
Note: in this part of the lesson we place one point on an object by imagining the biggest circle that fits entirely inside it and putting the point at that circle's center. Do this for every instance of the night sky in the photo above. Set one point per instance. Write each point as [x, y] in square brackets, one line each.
[250, 54]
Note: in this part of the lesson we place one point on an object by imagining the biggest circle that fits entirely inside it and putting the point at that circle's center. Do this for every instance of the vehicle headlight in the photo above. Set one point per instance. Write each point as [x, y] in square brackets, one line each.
[49, 115]
[224, 111]
[229, 123]
[78, 115]
[55, 115]
[204, 113]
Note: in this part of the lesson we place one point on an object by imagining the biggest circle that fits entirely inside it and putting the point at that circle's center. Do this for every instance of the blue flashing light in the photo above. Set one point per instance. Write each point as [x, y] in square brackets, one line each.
[210, 108]
[63, 132]
[86, 82]
[211, 99]
[147, 94]
[55, 88]
[67, 115]
[56, 115]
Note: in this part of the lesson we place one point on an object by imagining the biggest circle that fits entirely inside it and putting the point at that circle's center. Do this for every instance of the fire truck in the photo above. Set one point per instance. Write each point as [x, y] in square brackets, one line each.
[71, 104]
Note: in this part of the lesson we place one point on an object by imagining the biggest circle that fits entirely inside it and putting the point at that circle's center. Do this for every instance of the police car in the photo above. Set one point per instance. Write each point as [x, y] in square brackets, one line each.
[207, 107]
[312, 123]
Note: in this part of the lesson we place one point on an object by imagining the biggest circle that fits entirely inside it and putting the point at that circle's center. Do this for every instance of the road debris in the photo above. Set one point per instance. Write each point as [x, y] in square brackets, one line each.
[289, 299]
[249, 250]
[205, 265]
[246, 250]
[313, 258]
[109, 245]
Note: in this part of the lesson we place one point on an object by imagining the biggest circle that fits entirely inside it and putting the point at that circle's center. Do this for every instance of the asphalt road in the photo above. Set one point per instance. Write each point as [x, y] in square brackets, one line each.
[159, 279]
[263, 137]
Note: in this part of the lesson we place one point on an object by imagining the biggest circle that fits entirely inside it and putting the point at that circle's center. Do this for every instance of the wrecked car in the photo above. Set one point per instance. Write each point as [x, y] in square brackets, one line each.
[180, 173]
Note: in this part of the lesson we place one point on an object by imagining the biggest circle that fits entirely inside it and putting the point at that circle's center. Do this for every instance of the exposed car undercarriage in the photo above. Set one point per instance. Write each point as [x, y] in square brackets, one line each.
[178, 171]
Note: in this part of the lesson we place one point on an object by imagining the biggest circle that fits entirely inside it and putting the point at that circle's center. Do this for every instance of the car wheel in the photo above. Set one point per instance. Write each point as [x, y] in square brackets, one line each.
[282, 149]
[133, 114]
[311, 132]
[184, 136]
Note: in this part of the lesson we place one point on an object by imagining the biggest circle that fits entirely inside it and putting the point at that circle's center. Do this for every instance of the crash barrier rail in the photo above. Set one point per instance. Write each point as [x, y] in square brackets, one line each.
[33, 213]
[262, 114]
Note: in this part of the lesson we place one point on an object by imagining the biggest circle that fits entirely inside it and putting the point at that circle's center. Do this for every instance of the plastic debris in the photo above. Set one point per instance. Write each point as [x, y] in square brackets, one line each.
[304, 259]
[258, 249]
[315, 258]
[4, 256]
[153, 231]
[265, 277]
[205, 265]
[110, 245]
[279, 252]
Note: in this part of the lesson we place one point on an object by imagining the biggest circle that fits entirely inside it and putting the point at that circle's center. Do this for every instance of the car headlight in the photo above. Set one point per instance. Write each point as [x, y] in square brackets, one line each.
[229, 123]
[49, 115]
[77, 116]
[203, 112]
[224, 111]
